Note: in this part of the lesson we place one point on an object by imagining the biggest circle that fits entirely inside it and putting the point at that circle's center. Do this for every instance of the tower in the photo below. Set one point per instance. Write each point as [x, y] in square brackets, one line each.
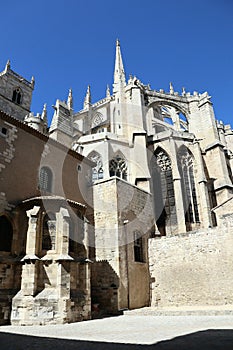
[15, 93]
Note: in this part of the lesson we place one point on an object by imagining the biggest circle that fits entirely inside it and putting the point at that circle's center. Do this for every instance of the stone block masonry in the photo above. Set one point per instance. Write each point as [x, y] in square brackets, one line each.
[194, 269]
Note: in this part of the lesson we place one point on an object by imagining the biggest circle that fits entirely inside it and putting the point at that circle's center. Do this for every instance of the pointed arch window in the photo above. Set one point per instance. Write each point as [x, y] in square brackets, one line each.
[45, 179]
[97, 171]
[163, 192]
[6, 234]
[189, 193]
[118, 167]
[17, 96]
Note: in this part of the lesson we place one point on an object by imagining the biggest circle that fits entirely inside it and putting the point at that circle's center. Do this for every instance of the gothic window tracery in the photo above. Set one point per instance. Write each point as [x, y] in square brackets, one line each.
[45, 179]
[97, 171]
[163, 189]
[186, 167]
[97, 119]
[17, 96]
[118, 167]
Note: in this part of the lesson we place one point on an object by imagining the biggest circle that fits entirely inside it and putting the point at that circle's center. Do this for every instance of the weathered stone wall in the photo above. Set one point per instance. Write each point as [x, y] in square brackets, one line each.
[135, 206]
[192, 269]
[10, 273]
[120, 209]
[104, 289]
[22, 152]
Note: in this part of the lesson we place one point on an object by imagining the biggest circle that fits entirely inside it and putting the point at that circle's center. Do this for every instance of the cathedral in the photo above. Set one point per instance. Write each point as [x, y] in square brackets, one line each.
[124, 204]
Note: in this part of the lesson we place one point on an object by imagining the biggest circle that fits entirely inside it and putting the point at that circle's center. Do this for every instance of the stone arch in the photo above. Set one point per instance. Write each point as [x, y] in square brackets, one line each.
[97, 171]
[6, 233]
[169, 113]
[186, 165]
[176, 105]
[163, 191]
[118, 166]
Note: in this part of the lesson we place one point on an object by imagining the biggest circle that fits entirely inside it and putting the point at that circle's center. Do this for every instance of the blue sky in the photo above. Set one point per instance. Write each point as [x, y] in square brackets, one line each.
[72, 44]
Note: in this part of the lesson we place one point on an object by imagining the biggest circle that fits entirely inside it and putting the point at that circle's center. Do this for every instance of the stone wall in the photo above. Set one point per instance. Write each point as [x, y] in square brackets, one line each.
[120, 209]
[192, 269]
[104, 289]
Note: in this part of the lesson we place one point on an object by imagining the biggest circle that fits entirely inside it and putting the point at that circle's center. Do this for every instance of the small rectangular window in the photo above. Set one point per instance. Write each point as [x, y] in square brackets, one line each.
[138, 247]
[4, 131]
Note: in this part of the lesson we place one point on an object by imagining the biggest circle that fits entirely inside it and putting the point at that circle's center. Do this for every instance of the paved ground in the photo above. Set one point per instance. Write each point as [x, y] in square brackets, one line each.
[125, 332]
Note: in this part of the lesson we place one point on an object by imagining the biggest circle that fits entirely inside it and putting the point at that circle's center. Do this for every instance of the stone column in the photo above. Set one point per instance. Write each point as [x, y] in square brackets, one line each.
[29, 271]
[63, 258]
[62, 238]
[181, 227]
[204, 205]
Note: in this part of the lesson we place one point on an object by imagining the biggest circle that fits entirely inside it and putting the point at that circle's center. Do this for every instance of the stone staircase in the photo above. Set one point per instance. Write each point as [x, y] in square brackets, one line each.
[215, 310]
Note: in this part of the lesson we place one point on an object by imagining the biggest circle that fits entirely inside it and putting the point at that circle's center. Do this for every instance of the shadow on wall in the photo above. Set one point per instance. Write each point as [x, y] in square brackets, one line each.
[104, 289]
[207, 340]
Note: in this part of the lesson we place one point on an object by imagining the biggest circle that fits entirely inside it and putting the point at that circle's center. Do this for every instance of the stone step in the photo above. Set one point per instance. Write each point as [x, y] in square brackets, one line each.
[219, 310]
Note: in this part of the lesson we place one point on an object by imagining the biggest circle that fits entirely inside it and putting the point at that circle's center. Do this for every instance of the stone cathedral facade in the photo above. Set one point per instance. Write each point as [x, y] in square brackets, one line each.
[124, 204]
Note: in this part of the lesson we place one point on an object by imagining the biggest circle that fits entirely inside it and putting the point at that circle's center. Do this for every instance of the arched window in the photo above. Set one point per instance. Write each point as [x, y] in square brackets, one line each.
[45, 179]
[6, 234]
[185, 160]
[49, 232]
[97, 171]
[163, 192]
[118, 167]
[17, 96]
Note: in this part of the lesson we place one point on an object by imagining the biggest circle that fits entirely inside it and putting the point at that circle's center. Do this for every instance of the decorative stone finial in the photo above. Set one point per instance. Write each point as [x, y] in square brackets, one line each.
[8, 65]
[44, 114]
[108, 93]
[171, 89]
[87, 101]
[183, 91]
[70, 100]
[33, 82]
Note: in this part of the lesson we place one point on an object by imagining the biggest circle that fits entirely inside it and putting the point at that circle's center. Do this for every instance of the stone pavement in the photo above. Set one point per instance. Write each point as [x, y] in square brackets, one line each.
[125, 332]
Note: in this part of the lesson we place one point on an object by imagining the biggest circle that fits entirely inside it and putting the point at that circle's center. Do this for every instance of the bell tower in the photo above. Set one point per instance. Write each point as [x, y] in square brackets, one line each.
[15, 93]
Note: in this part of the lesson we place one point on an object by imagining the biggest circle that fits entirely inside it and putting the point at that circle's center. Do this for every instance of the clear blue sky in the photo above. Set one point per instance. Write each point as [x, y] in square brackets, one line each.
[72, 44]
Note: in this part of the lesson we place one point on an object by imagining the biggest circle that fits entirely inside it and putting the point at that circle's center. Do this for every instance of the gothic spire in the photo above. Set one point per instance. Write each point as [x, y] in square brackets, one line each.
[70, 100]
[108, 93]
[87, 101]
[119, 73]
